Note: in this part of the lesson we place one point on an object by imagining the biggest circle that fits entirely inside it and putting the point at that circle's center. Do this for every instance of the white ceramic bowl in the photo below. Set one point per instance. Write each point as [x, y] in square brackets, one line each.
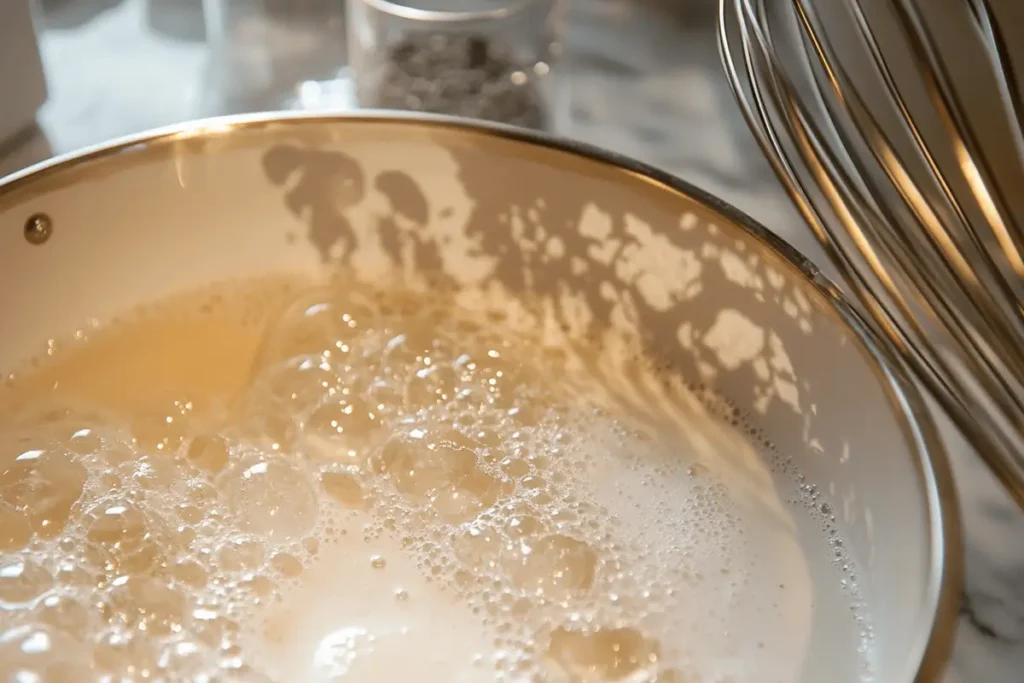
[610, 246]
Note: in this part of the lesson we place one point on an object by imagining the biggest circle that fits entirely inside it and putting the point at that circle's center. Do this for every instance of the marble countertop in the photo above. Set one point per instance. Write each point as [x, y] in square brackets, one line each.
[645, 83]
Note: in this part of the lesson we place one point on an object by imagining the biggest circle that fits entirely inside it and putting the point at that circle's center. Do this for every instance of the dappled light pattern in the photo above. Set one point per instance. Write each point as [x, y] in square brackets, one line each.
[657, 277]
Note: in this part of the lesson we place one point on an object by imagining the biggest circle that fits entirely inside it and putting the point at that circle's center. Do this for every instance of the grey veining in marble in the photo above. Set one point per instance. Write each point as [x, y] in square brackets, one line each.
[641, 79]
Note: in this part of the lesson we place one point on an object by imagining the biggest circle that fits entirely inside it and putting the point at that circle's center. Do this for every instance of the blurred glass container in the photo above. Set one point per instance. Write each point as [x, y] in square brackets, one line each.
[487, 59]
[270, 55]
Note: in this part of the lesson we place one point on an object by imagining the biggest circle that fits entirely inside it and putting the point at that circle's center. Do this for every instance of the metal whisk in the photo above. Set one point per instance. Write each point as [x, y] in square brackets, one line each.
[897, 128]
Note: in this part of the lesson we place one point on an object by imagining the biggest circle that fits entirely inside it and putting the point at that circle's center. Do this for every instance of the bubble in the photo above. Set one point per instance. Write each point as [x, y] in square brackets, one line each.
[190, 573]
[270, 498]
[85, 441]
[211, 627]
[419, 464]
[344, 489]
[346, 422]
[522, 524]
[125, 655]
[554, 566]
[299, 384]
[241, 554]
[266, 420]
[415, 350]
[271, 410]
[442, 470]
[22, 580]
[316, 323]
[209, 452]
[186, 660]
[378, 562]
[66, 614]
[515, 467]
[478, 547]
[533, 483]
[603, 654]
[72, 573]
[122, 539]
[36, 652]
[40, 484]
[467, 497]
[287, 565]
[148, 604]
[257, 587]
[434, 384]
[159, 472]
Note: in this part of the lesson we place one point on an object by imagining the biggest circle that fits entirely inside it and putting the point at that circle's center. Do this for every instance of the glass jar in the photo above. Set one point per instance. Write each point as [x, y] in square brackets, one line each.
[485, 59]
[268, 55]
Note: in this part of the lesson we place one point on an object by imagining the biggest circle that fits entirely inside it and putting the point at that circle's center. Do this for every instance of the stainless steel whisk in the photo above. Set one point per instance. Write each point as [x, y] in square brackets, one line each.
[897, 128]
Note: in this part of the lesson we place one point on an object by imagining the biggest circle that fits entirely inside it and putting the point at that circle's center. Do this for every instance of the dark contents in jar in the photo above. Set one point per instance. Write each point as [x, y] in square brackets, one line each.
[459, 75]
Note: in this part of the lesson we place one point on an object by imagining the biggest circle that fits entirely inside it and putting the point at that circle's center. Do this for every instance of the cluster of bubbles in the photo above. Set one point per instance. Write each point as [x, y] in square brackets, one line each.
[804, 494]
[145, 546]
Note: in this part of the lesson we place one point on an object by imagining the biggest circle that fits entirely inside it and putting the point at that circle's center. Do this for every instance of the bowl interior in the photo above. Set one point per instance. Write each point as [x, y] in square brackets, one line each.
[609, 252]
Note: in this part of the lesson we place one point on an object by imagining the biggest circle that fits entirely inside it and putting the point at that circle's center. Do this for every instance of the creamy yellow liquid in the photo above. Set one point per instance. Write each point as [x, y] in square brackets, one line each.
[278, 483]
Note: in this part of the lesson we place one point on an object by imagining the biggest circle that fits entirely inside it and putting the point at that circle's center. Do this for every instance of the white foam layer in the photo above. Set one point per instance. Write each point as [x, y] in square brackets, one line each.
[349, 484]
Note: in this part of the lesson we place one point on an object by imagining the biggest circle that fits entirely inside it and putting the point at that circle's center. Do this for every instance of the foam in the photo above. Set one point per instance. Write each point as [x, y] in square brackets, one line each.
[396, 623]
[286, 483]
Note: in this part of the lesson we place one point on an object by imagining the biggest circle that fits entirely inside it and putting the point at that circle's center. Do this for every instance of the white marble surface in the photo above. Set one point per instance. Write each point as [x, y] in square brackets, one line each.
[644, 82]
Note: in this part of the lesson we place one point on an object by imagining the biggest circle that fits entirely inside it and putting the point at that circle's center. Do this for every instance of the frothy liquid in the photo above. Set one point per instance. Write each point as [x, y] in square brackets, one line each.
[354, 485]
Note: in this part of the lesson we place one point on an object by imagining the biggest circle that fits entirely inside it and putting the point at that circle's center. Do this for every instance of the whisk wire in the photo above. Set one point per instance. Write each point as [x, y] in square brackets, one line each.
[770, 143]
[943, 298]
[940, 291]
[999, 309]
[872, 238]
[954, 247]
[1009, 88]
[824, 167]
[974, 165]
